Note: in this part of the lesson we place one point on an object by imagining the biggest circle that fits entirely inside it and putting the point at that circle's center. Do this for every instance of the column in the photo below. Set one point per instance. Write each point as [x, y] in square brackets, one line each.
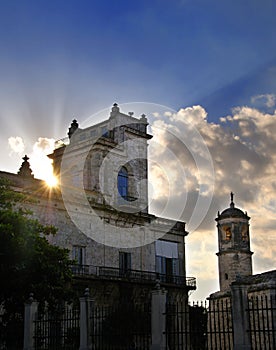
[86, 324]
[158, 318]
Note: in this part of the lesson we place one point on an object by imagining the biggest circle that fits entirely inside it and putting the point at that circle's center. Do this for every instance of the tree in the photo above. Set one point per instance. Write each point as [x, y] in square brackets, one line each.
[28, 262]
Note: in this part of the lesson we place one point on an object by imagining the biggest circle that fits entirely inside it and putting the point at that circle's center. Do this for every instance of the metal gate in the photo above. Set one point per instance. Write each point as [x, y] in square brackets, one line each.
[125, 326]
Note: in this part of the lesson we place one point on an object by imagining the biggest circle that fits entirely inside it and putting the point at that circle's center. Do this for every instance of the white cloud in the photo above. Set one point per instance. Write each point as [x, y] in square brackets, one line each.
[16, 144]
[44, 145]
[269, 100]
[40, 164]
[156, 114]
[243, 151]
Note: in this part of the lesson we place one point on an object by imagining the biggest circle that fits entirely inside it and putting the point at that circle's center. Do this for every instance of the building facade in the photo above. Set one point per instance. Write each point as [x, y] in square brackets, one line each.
[101, 211]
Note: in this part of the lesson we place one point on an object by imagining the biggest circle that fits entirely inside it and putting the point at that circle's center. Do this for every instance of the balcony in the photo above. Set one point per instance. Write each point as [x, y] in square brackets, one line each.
[112, 273]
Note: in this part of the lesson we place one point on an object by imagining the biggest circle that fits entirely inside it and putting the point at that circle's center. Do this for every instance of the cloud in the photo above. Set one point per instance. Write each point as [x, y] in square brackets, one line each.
[269, 100]
[44, 145]
[243, 152]
[16, 144]
[40, 164]
[156, 114]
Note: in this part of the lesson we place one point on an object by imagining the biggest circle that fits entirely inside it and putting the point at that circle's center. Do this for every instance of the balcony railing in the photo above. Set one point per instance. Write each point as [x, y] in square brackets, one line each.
[113, 273]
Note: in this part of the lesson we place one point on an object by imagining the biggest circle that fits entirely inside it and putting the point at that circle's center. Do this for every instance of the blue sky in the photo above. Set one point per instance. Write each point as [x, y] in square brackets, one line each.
[80, 56]
[61, 59]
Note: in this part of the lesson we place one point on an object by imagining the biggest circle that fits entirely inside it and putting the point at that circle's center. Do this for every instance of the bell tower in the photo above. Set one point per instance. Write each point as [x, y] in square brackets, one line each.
[234, 255]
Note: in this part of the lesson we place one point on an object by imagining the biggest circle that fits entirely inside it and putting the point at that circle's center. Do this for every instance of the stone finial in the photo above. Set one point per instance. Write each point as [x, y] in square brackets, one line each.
[232, 204]
[143, 119]
[25, 169]
[157, 285]
[143, 123]
[130, 114]
[31, 298]
[86, 292]
[114, 110]
[74, 126]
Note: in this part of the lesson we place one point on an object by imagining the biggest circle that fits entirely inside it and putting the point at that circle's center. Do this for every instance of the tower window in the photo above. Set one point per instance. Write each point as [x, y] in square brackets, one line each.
[226, 276]
[228, 234]
[123, 183]
[244, 233]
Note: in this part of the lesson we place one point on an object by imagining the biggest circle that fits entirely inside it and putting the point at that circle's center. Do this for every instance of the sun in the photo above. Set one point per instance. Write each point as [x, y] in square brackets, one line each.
[51, 180]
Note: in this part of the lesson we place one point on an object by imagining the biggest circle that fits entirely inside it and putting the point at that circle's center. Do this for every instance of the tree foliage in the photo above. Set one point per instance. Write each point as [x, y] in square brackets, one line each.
[28, 262]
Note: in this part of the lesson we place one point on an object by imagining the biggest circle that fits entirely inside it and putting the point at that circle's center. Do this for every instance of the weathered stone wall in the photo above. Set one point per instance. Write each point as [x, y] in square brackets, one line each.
[47, 206]
[234, 250]
[232, 265]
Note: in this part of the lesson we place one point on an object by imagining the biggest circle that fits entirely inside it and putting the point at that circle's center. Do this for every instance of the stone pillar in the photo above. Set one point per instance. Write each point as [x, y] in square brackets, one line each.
[86, 325]
[158, 319]
[240, 317]
[29, 327]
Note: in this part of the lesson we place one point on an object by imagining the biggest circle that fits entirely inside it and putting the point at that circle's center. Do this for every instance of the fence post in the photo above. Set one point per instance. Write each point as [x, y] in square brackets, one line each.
[29, 326]
[240, 317]
[158, 318]
[86, 304]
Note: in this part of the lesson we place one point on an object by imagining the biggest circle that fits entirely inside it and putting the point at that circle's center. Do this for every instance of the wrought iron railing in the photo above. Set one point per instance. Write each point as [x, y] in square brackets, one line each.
[133, 275]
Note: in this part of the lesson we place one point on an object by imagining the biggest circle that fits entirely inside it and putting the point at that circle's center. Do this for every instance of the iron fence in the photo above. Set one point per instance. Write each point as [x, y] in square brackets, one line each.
[11, 332]
[199, 326]
[186, 326]
[126, 326]
[262, 322]
[220, 327]
[57, 330]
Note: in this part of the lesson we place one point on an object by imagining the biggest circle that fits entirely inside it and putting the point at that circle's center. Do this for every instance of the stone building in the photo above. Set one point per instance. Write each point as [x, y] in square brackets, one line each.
[242, 314]
[101, 211]
[234, 255]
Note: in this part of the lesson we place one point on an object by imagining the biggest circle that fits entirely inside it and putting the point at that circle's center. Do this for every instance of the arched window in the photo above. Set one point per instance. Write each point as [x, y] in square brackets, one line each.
[123, 183]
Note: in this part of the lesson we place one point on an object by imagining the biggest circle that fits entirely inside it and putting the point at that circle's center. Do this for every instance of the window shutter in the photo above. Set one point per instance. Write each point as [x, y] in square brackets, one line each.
[121, 261]
[175, 267]
[128, 257]
[159, 264]
[78, 254]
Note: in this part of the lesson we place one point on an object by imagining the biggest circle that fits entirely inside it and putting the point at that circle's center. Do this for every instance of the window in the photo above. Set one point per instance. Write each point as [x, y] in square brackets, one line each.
[228, 233]
[122, 183]
[244, 232]
[166, 266]
[124, 262]
[78, 254]
[167, 262]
